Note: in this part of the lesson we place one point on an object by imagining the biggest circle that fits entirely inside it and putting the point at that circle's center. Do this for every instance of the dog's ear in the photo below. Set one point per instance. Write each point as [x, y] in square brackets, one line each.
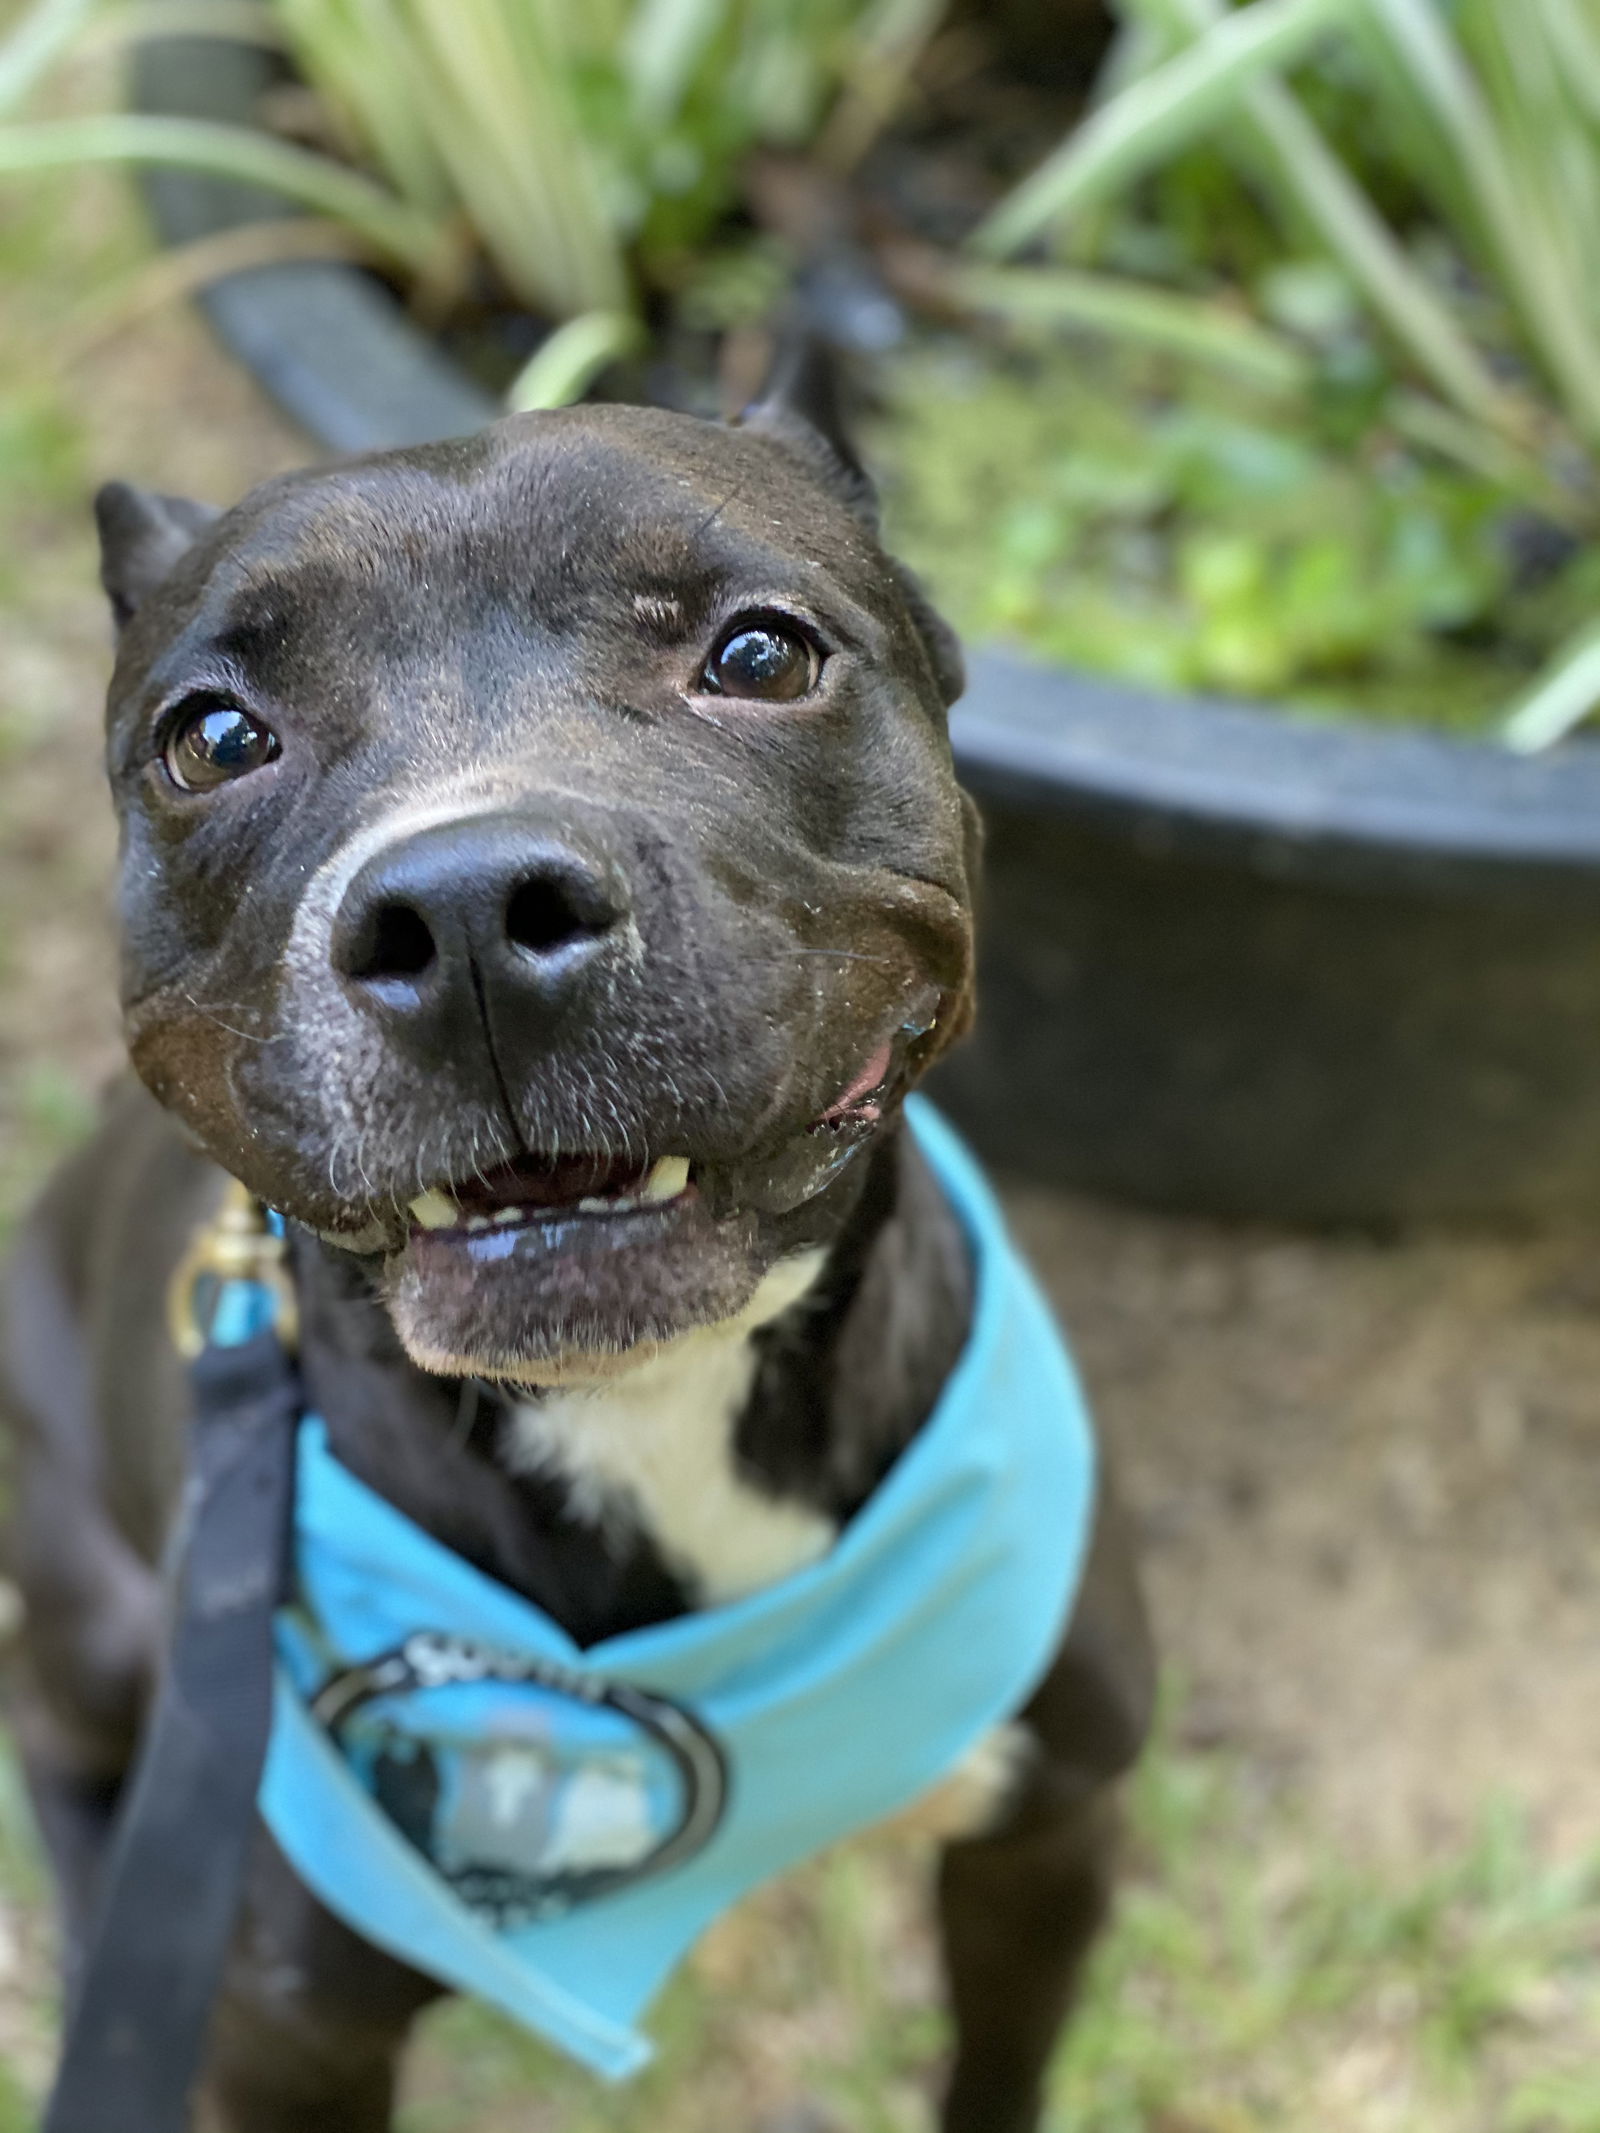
[802, 406]
[142, 535]
[939, 640]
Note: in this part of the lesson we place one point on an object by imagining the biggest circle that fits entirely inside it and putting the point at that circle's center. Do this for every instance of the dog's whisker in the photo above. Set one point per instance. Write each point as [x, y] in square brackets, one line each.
[246, 1036]
[837, 955]
[361, 1166]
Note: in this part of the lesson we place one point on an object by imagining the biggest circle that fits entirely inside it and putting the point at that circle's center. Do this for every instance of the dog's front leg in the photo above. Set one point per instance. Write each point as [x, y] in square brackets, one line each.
[1019, 1912]
[1020, 1904]
[312, 2019]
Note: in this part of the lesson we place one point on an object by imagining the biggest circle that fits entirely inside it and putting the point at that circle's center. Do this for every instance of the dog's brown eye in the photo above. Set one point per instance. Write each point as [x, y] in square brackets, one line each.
[764, 661]
[213, 740]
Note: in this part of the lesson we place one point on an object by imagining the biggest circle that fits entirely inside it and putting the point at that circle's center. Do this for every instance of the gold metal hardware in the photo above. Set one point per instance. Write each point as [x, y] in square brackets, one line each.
[235, 1245]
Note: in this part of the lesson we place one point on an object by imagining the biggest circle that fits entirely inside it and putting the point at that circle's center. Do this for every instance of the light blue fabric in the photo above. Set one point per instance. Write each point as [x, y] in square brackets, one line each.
[834, 1698]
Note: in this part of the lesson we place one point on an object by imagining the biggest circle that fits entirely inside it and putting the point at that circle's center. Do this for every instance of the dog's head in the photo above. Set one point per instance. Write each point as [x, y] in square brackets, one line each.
[542, 862]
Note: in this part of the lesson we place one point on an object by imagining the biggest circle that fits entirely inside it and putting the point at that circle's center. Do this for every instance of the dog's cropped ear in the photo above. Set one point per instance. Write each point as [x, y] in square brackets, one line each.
[142, 535]
[939, 640]
[802, 406]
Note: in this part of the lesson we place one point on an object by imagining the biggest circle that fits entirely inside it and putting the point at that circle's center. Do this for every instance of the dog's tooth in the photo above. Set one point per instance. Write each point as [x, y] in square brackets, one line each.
[477, 1221]
[667, 1178]
[595, 1207]
[510, 1214]
[621, 1206]
[435, 1210]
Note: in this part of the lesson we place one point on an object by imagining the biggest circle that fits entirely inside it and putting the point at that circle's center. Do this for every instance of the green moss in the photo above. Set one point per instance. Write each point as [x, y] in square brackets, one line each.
[1187, 534]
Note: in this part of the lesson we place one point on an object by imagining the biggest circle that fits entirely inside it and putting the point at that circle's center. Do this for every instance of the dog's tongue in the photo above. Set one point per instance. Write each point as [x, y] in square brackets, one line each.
[871, 1075]
[547, 1181]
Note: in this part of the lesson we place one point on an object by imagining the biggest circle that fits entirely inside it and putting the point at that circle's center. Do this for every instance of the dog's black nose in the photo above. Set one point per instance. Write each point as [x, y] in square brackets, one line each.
[490, 917]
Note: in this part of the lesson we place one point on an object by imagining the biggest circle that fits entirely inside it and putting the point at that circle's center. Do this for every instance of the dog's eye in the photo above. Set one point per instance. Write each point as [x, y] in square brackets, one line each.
[213, 739]
[764, 660]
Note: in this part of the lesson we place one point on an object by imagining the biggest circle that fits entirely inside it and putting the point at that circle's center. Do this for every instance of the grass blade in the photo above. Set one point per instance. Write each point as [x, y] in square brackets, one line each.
[1564, 695]
[36, 43]
[1188, 327]
[1446, 432]
[567, 364]
[395, 230]
[524, 164]
[1519, 237]
[375, 104]
[1575, 39]
[1155, 116]
[891, 38]
[1296, 157]
[665, 44]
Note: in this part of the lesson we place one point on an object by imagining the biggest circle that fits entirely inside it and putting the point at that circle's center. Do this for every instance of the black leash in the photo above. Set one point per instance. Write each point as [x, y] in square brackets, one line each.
[137, 2027]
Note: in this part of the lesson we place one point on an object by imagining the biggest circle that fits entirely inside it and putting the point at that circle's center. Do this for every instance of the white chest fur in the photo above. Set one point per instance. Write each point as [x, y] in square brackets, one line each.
[654, 1448]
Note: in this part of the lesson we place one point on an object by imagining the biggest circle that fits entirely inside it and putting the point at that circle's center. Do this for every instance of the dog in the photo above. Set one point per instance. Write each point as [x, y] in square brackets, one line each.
[543, 878]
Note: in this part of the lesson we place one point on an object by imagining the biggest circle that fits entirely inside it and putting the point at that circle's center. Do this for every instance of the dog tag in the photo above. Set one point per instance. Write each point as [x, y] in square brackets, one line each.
[529, 1787]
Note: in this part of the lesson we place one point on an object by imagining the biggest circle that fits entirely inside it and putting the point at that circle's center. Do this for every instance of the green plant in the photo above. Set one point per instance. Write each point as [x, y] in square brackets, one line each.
[1363, 233]
[1123, 511]
[580, 140]
[1482, 118]
[585, 151]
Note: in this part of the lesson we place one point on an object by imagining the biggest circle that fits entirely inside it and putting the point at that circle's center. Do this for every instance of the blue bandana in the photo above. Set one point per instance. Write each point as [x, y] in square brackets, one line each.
[551, 1828]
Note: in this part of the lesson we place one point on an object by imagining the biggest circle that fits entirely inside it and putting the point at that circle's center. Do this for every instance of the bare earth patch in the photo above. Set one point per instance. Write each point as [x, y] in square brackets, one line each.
[1368, 1479]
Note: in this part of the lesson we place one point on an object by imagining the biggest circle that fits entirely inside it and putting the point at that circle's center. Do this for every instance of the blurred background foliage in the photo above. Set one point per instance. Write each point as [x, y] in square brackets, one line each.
[1270, 364]
[1356, 462]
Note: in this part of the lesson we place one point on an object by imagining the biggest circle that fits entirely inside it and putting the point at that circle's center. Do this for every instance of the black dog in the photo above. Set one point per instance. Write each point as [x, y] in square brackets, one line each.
[550, 834]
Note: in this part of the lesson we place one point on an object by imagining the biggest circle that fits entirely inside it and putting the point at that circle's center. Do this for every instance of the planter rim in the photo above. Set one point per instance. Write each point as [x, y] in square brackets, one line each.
[1296, 793]
[1332, 798]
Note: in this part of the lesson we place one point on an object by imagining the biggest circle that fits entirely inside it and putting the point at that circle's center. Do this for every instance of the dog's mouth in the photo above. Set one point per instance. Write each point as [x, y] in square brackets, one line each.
[553, 1262]
[537, 1188]
[592, 1186]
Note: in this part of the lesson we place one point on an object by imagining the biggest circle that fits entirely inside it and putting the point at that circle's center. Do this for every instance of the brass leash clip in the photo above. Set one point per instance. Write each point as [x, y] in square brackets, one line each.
[237, 1244]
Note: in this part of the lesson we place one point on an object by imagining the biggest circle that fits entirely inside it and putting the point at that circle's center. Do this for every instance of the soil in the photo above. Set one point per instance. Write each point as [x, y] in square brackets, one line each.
[1368, 1481]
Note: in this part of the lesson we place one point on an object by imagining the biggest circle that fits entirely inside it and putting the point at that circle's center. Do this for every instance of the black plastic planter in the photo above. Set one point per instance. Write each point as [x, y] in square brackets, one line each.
[1231, 961]
[1239, 963]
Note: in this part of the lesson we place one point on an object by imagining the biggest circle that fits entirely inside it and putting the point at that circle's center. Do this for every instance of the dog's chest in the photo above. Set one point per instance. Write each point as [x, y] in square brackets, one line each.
[654, 1451]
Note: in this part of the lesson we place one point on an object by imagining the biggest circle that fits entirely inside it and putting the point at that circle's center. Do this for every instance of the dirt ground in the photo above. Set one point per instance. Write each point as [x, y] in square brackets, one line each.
[1368, 1483]
[1367, 1476]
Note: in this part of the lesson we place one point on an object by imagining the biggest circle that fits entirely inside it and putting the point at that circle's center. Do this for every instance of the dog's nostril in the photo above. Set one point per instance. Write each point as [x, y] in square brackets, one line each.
[542, 914]
[400, 944]
[476, 909]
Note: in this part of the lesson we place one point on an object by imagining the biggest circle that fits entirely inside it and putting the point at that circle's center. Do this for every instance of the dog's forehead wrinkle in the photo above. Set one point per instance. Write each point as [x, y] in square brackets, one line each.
[628, 476]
